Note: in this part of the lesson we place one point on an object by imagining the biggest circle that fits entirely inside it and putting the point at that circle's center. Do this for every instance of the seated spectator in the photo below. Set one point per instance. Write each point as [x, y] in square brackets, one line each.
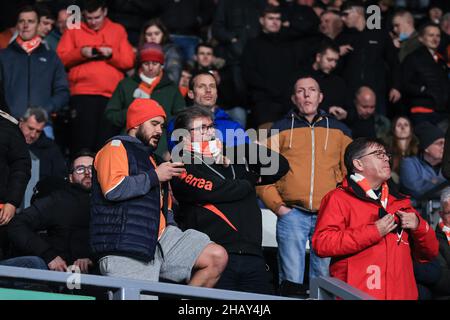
[401, 143]
[151, 81]
[425, 79]
[64, 215]
[185, 78]
[154, 31]
[51, 160]
[203, 91]
[363, 120]
[422, 173]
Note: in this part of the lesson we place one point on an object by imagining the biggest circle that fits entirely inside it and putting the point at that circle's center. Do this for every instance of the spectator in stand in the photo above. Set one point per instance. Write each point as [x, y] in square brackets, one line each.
[299, 18]
[235, 23]
[225, 208]
[151, 82]
[442, 287]
[314, 145]
[372, 232]
[46, 21]
[15, 165]
[96, 55]
[444, 47]
[269, 64]
[203, 92]
[333, 86]
[186, 76]
[51, 161]
[420, 175]
[55, 35]
[364, 120]
[154, 31]
[363, 51]
[331, 24]
[405, 36]
[64, 215]
[425, 81]
[32, 75]
[401, 143]
[132, 226]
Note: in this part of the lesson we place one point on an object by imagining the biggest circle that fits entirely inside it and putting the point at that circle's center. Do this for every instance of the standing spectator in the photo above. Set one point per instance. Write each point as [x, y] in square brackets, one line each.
[364, 120]
[225, 207]
[235, 23]
[51, 161]
[425, 79]
[368, 228]
[203, 92]
[46, 21]
[96, 55]
[363, 51]
[331, 24]
[268, 66]
[55, 35]
[132, 226]
[300, 19]
[401, 143]
[154, 31]
[151, 82]
[333, 86]
[15, 165]
[64, 215]
[31, 74]
[314, 145]
[421, 174]
[406, 37]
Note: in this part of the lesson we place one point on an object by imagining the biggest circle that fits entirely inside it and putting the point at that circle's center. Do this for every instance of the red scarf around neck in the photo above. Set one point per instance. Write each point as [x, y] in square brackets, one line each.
[208, 149]
[364, 184]
[30, 45]
[149, 88]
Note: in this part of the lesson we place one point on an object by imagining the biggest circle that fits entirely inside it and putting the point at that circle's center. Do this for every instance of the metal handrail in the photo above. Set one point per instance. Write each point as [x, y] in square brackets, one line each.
[327, 288]
[130, 289]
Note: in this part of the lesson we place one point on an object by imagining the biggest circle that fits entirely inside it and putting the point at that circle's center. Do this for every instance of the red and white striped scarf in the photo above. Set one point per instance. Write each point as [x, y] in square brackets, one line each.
[364, 184]
[445, 230]
[208, 149]
[30, 45]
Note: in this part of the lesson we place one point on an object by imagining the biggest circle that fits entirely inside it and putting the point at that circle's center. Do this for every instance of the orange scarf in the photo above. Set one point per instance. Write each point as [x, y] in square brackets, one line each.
[364, 184]
[445, 230]
[30, 45]
[184, 91]
[208, 149]
[145, 89]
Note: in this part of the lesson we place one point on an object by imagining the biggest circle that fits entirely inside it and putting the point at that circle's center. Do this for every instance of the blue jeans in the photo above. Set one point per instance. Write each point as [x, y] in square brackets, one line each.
[187, 44]
[239, 115]
[31, 262]
[293, 230]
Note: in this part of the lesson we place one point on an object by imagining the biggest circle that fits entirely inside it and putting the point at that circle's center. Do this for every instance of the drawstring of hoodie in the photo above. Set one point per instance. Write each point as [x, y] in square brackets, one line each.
[292, 130]
[328, 130]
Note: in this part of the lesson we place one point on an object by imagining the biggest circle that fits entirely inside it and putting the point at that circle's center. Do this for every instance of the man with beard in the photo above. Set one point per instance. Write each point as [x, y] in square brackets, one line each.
[132, 227]
[64, 215]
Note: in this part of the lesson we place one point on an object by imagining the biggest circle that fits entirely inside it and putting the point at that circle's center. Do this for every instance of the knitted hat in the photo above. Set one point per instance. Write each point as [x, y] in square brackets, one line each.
[151, 52]
[427, 134]
[141, 110]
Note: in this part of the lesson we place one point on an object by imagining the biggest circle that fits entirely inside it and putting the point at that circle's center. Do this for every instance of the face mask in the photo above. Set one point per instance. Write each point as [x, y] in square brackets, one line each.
[403, 36]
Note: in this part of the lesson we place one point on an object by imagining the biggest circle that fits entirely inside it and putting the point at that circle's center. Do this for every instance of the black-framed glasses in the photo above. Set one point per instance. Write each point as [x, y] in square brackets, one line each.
[203, 129]
[82, 169]
[379, 154]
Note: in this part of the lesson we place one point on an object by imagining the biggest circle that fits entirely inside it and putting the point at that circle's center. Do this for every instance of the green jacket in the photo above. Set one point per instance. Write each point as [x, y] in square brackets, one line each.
[166, 93]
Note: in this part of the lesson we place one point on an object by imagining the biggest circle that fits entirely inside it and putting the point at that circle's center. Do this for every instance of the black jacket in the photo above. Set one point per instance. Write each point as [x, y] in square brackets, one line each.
[64, 214]
[425, 82]
[15, 163]
[442, 287]
[51, 160]
[223, 207]
[373, 62]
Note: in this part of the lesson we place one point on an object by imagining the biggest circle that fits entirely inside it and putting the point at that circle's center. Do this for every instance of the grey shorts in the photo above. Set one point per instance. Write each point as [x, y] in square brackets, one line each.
[180, 251]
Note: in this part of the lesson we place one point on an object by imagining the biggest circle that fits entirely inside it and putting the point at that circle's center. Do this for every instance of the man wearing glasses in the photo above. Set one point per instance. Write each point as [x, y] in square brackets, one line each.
[64, 215]
[369, 230]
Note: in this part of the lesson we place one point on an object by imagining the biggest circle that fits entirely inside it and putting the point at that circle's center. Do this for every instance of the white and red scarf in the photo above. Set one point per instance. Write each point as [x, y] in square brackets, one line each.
[207, 149]
[364, 184]
[445, 230]
[30, 45]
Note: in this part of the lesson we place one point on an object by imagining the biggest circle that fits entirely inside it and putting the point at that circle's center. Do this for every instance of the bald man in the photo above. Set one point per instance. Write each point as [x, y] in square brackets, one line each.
[363, 120]
[405, 36]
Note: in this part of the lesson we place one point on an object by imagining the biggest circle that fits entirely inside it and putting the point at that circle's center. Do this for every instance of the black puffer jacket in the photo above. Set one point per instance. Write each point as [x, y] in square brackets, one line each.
[64, 214]
[51, 160]
[15, 163]
[425, 82]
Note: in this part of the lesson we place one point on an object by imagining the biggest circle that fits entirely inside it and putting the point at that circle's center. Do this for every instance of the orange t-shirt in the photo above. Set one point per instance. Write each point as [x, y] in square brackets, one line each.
[111, 164]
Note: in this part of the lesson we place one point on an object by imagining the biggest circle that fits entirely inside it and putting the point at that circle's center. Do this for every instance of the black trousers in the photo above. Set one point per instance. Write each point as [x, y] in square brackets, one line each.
[90, 129]
[245, 273]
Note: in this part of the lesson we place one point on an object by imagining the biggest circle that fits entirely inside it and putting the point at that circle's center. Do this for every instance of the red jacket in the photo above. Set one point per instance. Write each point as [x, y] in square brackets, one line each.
[379, 266]
[96, 77]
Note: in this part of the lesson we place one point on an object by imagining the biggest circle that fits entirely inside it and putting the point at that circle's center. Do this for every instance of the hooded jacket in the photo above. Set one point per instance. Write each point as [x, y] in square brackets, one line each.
[95, 77]
[360, 256]
[315, 152]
